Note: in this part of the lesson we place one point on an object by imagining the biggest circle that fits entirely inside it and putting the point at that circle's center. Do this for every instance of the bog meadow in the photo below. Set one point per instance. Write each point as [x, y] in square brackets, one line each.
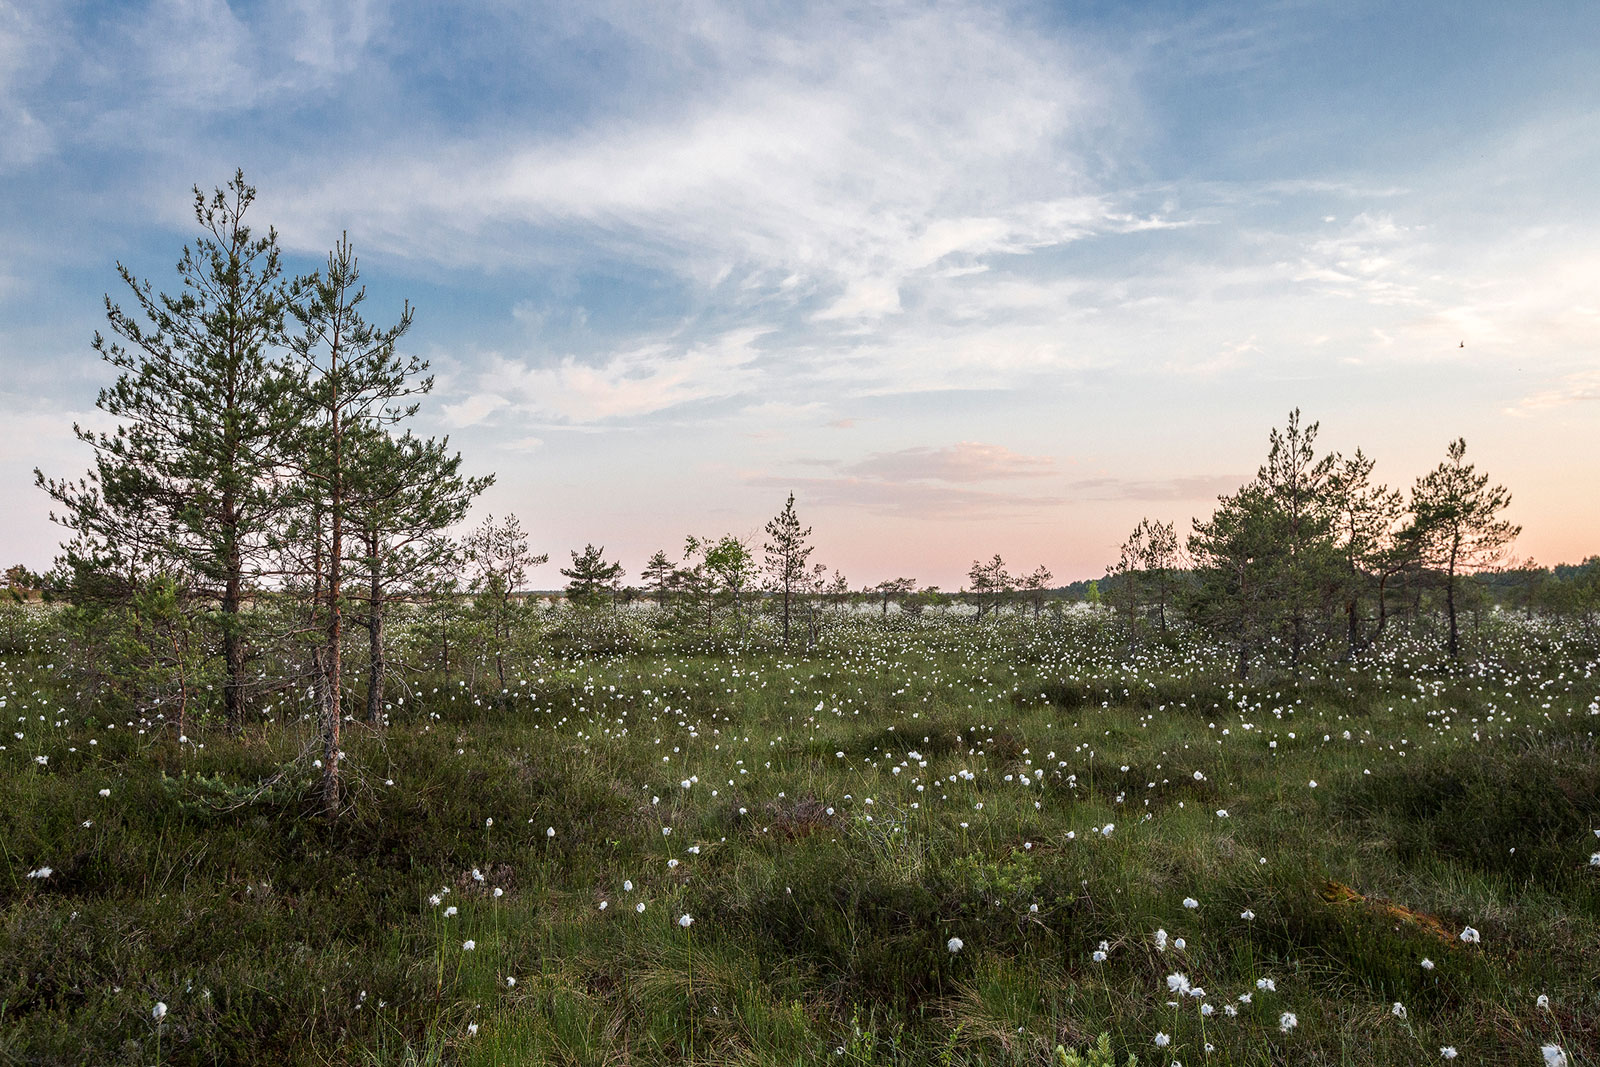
[296, 769]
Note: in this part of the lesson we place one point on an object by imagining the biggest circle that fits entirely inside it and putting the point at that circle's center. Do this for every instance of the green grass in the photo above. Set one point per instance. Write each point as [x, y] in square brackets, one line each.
[824, 886]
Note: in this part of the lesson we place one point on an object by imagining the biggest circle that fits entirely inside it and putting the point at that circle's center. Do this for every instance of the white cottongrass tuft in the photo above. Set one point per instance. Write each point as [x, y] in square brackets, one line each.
[1470, 936]
[468, 946]
[42, 872]
[1553, 1056]
[955, 944]
[1288, 1021]
[685, 920]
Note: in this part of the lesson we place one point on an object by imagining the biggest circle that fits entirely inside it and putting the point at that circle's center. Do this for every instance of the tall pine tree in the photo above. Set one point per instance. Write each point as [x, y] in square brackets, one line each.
[1456, 525]
[352, 380]
[186, 483]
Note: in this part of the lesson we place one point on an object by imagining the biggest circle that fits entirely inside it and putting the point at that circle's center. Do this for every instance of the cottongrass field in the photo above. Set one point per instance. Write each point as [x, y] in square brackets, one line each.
[922, 841]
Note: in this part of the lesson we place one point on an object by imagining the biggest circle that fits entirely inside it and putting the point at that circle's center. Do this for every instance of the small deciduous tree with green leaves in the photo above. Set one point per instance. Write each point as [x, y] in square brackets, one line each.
[498, 558]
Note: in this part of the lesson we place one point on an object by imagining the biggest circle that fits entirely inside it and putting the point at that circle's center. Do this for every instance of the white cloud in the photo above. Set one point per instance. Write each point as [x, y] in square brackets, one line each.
[826, 160]
[472, 410]
[1569, 389]
[966, 461]
[630, 384]
[29, 47]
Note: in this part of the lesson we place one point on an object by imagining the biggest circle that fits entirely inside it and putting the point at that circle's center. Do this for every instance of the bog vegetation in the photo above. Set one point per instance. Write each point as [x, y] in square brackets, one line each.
[295, 771]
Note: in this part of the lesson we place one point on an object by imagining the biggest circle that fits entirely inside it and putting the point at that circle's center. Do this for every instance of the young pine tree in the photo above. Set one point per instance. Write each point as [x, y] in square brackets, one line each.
[1295, 483]
[1457, 528]
[187, 484]
[1234, 555]
[406, 493]
[591, 579]
[1363, 526]
[658, 570]
[786, 552]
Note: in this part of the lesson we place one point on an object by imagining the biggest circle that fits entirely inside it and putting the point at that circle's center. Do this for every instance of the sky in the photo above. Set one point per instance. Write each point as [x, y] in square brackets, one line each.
[966, 278]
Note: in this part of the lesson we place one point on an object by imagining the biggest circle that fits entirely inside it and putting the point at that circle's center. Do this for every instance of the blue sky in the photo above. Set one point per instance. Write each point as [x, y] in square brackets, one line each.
[968, 278]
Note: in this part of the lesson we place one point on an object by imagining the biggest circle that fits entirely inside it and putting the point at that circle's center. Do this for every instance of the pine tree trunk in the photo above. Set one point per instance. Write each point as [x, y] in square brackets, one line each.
[331, 705]
[1450, 609]
[1450, 605]
[375, 664]
[232, 653]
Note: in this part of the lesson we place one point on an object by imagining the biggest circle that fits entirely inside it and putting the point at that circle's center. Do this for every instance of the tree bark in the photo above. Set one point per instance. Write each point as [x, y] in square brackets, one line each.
[1450, 604]
[375, 663]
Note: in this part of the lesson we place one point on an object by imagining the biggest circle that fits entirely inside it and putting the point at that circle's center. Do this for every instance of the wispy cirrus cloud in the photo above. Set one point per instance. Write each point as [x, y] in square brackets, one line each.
[910, 499]
[1576, 388]
[965, 480]
[837, 163]
[967, 461]
[629, 384]
[1189, 487]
